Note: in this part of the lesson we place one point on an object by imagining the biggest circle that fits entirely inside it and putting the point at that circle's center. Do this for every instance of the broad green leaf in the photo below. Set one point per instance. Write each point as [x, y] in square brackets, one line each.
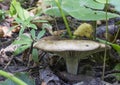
[81, 10]
[54, 11]
[101, 1]
[92, 4]
[77, 10]
[35, 55]
[88, 14]
[23, 76]
[50, 2]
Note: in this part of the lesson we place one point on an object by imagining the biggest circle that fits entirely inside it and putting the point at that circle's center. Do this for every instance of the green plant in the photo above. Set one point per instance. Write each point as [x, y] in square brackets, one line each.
[114, 46]
[117, 68]
[25, 21]
[112, 2]
[12, 77]
[21, 78]
[80, 9]
[64, 18]
[2, 15]
[26, 41]
[22, 17]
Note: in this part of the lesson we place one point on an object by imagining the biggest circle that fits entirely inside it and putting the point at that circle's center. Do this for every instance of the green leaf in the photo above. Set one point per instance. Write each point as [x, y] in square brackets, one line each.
[25, 37]
[21, 30]
[40, 21]
[115, 46]
[50, 2]
[33, 26]
[92, 4]
[41, 33]
[18, 20]
[35, 55]
[2, 15]
[20, 49]
[80, 9]
[23, 40]
[54, 11]
[13, 11]
[33, 33]
[82, 13]
[16, 9]
[23, 76]
[117, 75]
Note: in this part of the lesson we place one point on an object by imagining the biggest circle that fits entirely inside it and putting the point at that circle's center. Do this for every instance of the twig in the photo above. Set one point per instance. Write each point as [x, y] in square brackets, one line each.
[25, 69]
[8, 62]
[112, 72]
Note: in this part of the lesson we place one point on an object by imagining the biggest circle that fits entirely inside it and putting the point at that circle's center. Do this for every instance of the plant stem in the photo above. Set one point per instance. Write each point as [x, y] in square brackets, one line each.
[64, 18]
[12, 77]
[117, 34]
[94, 24]
[105, 54]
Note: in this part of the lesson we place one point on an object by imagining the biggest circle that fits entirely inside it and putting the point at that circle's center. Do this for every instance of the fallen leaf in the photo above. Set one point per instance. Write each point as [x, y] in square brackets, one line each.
[1, 32]
[4, 31]
[16, 27]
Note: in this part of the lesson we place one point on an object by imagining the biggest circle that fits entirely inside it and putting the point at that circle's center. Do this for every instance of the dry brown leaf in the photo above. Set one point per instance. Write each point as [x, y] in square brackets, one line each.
[4, 31]
[17, 28]
[1, 32]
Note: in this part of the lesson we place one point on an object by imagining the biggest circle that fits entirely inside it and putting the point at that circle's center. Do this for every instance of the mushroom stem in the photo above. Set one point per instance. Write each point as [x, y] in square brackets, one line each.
[72, 64]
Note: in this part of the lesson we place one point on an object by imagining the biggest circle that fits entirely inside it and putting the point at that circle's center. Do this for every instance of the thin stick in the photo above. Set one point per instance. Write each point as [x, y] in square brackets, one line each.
[105, 54]
[9, 62]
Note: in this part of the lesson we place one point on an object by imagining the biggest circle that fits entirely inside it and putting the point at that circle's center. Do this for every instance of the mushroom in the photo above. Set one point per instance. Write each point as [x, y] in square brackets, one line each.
[71, 50]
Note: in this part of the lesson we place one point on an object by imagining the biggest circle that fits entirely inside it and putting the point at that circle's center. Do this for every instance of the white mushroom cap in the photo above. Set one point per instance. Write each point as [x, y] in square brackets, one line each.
[71, 50]
[66, 45]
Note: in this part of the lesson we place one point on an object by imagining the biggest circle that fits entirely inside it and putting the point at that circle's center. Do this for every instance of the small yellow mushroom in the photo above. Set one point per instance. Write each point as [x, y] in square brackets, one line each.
[84, 30]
